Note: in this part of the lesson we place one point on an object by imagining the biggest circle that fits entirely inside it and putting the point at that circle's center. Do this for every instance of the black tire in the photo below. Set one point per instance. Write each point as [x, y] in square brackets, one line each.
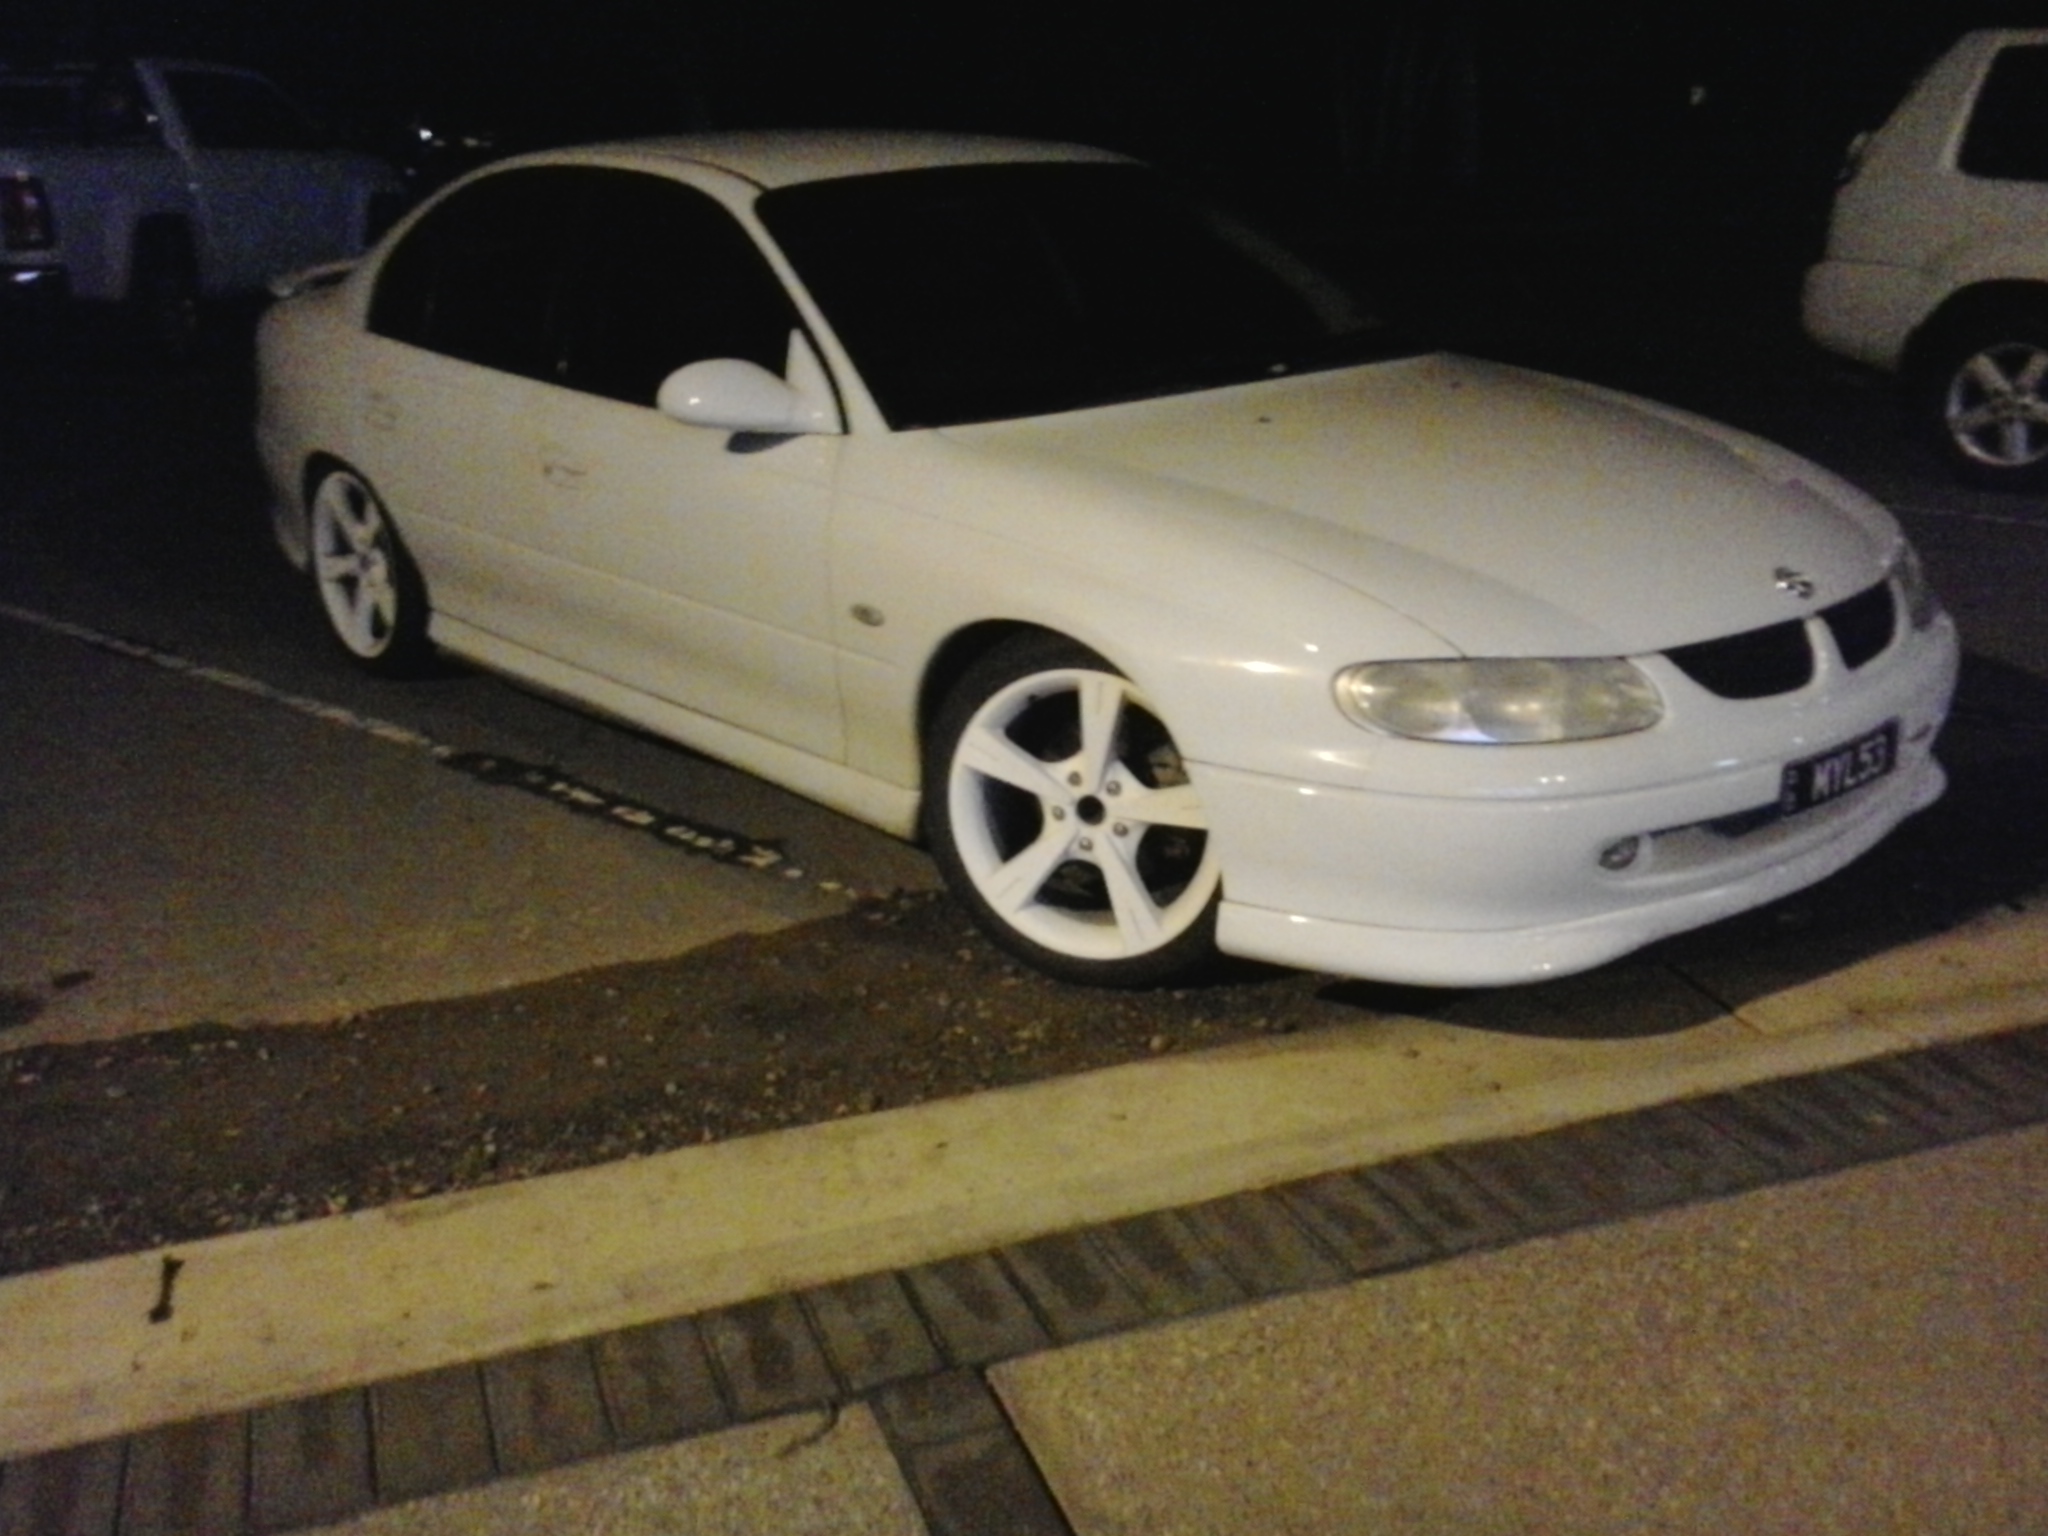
[163, 291]
[1059, 812]
[1980, 393]
[370, 592]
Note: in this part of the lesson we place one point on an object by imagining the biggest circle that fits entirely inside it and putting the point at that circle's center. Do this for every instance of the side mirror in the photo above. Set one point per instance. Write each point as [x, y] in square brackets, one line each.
[738, 396]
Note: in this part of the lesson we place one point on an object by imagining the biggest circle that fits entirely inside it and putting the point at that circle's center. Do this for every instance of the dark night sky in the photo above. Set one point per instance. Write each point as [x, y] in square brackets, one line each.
[1737, 100]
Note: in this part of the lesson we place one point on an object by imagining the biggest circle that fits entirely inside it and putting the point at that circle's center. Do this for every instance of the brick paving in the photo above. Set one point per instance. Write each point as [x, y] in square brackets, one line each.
[914, 1344]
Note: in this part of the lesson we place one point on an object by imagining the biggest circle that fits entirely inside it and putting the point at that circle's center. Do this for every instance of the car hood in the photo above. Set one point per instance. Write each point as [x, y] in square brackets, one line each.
[1506, 511]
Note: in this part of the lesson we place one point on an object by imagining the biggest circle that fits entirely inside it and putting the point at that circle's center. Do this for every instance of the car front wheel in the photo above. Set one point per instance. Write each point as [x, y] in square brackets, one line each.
[1984, 394]
[1059, 810]
[370, 590]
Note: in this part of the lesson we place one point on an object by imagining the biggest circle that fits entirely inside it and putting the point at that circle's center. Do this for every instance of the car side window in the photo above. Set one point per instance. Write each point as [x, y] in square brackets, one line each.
[116, 111]
[665, 277]
[477, 278]
[224, 111]
[2008, 133]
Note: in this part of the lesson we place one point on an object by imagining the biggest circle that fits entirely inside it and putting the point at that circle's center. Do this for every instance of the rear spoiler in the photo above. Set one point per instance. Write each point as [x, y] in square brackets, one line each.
[290, 284]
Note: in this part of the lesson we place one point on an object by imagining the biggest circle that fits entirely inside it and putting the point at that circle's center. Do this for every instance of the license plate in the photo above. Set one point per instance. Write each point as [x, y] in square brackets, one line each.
[1817, 780]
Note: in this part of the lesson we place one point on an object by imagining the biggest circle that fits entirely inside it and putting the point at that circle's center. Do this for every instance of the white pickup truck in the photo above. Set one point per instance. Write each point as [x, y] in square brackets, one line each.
[158, 183]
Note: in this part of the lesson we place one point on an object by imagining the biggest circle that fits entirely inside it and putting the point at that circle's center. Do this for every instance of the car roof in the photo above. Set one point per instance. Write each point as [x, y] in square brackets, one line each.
[785, 157]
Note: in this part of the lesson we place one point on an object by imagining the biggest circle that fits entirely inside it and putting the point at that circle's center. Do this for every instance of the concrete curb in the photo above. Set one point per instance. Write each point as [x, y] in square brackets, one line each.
[126, 1343]
[909, 1352]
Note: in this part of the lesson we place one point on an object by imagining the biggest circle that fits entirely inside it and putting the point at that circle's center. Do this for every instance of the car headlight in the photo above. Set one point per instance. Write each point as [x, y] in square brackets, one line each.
[1505, 701]
[1915, 594]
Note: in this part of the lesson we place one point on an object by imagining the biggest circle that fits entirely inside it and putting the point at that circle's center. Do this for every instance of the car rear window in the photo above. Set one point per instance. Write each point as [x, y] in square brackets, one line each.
[2008, 133]
[35, 111]
[227, 111]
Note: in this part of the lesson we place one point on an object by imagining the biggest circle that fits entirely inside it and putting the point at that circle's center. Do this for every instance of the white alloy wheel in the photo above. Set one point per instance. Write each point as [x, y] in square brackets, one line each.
[1061, 812]
[1985, 394]
[374, 600]
[1997, 406]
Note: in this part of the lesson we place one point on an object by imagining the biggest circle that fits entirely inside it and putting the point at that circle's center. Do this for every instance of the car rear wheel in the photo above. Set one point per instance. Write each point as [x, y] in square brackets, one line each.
[1059, 810]
[370, 590]
[1984, 395]
[163, 290]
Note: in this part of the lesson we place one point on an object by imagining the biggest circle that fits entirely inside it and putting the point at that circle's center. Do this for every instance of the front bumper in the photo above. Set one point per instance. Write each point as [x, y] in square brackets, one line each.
[1474, 886]
[1456, 957]
[34, 284]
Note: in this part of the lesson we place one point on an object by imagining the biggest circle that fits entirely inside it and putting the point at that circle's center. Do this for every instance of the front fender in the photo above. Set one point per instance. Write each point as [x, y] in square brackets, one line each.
[1235, 646]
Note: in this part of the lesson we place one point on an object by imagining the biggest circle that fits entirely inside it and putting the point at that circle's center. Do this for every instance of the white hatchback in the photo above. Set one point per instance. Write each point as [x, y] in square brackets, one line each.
[1937, 256]
[1001, 493]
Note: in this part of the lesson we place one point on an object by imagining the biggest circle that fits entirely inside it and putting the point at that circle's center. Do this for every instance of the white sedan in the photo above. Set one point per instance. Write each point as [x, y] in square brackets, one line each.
[999, 493]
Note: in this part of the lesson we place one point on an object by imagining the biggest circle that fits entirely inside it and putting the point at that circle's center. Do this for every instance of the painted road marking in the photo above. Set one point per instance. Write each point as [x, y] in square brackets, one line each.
[719, 844]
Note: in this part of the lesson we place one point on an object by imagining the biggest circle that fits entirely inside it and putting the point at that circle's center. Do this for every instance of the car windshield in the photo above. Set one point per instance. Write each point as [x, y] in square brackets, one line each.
[992, 292]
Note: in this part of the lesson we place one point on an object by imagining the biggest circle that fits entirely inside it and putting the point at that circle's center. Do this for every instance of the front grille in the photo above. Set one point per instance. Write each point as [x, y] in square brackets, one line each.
[1863, 625]
[1778, 658]
[1752, 665]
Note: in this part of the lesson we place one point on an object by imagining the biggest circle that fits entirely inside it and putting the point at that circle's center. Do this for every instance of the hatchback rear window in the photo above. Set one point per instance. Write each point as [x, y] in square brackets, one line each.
[2008, 133]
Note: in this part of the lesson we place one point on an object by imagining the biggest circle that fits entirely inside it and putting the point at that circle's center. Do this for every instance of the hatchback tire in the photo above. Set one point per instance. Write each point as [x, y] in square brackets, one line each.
[1981, 388]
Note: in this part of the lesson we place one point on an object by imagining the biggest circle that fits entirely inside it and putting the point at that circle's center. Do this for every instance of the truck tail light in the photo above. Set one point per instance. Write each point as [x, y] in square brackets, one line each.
[25, 220]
